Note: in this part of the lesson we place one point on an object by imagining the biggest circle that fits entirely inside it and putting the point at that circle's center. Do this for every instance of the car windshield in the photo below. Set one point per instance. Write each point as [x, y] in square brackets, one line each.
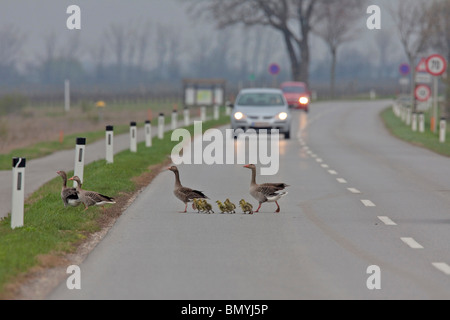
[293, 89]
[260, 99]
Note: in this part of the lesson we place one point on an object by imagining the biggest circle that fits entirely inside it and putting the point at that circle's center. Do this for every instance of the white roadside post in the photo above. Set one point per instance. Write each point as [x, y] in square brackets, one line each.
[109, 144]
[414, 121]
[442, 130]
[148, 133]
[66, 95]
[186, 114]
[202, 113]
[174, 119]
[79, 159]
[133, 137]
[408, 116]
[161, 126]
[421, 122]
[18, 192]
[228, 107]
[216, 112]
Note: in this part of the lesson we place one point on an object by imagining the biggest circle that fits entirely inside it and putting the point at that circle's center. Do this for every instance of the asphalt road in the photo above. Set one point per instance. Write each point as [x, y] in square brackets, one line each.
[357, 198]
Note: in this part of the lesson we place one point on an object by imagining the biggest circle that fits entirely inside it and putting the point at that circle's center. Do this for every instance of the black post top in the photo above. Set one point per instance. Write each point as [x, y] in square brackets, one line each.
[443, 118]
[81, 141]
[19, 162]
[109, 128]
[133, 124]
[161, 114]
[148, 121]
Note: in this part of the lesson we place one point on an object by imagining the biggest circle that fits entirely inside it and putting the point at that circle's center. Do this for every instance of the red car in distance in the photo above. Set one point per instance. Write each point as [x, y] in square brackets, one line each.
[296, 94]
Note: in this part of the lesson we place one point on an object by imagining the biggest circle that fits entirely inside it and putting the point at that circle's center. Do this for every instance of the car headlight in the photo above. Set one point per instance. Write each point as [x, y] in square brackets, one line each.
[303, 100]
[282, 116]
[239, 116]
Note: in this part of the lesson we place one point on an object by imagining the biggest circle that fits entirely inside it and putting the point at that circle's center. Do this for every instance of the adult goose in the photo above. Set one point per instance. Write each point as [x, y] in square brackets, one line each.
[266, 192]
[69, 196]
[91, 198]
[185, 194]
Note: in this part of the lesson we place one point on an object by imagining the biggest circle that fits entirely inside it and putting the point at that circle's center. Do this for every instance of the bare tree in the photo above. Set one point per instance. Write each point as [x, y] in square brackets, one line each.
[439, 13]
[336, 27]
[116, 37]
[414, 29]
[11, 41]
[292, 18]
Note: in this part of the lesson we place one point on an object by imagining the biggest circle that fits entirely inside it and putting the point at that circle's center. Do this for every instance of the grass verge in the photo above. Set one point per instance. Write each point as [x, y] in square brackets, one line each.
[427, 139]
[51, 229]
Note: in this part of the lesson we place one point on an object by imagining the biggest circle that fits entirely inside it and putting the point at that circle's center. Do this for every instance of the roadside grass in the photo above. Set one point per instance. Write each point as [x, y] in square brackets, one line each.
[427, 139]
[51, 229]
[42, 149]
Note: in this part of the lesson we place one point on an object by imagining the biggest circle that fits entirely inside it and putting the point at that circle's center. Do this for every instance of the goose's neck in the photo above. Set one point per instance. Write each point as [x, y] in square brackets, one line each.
[253, 182]
[177, 179]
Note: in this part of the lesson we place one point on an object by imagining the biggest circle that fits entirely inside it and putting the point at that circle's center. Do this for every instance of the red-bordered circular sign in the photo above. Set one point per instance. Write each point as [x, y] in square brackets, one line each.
[436, 64]
[422, 92]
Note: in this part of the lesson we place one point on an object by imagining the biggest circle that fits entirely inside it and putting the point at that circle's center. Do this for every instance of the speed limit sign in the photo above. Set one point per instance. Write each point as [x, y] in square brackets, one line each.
[422, 92]
[436, 64]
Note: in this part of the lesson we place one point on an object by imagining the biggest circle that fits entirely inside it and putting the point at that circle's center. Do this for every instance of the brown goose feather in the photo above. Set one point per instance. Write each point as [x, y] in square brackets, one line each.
[185, 194]
[265, 192]
[91, 198]
[69, 196]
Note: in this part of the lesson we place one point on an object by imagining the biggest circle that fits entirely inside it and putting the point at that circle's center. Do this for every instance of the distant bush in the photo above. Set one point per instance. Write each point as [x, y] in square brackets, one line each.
[12, 103]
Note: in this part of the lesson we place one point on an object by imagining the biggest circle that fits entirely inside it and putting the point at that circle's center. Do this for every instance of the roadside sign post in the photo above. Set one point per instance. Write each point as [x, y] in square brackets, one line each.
[109, 144]
[421, 122]
[67, 95]
[133, 137]
[18, 192]
[414, 121]
[79, 159]
[174, 119]
[436, 66]
[187, 119]
[161, 126]
[148, 133]
[274, 70]
[442, 130]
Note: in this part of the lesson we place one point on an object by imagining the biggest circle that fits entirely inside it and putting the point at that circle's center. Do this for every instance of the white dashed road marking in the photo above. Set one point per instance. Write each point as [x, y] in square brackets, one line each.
[368, 203]
[412, 243]
[341, 180]
[441, 266]
[387, 221]
[353, 190]
[332, 172]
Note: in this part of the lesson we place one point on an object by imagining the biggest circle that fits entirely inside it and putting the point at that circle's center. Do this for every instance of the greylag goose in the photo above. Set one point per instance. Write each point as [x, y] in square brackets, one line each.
[266, 192]
[185, 194]
[91, 198]
[69, 196]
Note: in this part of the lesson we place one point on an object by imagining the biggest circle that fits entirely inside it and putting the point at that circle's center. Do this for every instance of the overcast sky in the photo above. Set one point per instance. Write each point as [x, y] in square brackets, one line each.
[38, 18]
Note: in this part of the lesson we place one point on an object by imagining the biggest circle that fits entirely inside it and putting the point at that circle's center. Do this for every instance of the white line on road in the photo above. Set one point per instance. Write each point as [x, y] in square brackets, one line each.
[353, 190]
[319, 160]
[387, 221]
[332, 172]
[324, 166]
[412, 243]
[341, 180]
[368, 203]
[441, 266]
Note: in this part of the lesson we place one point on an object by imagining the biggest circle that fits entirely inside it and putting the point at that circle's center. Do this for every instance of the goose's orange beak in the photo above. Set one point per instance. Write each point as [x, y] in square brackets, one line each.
[71, 178]
[246, 166]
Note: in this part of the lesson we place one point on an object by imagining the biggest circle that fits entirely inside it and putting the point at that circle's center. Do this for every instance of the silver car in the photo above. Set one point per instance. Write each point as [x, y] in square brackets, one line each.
[261, 108]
